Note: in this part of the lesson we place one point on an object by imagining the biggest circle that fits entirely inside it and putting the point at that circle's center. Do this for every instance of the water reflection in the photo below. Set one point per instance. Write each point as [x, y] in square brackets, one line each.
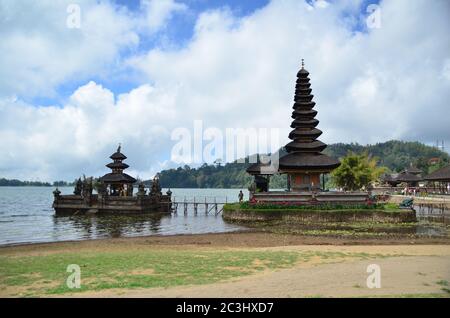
[438, 213]
[26, 216]
[111, 225]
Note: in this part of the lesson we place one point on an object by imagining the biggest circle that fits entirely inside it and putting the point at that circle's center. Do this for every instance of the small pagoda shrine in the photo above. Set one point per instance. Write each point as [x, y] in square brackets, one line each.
[411, 176]
[114, 193]
[117, 182]
[305, 161]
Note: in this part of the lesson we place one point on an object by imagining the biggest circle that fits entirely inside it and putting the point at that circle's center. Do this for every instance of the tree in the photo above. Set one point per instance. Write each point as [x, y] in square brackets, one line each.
[436, 166]
[357, 171]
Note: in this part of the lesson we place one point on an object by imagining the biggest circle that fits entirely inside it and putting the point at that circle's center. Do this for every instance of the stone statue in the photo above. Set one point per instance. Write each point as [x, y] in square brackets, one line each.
[252, 187]
[141, 189]
[78, 187]
[156, 188]
[56, 194]
[129, 190]
[101, 189]
[87, 187]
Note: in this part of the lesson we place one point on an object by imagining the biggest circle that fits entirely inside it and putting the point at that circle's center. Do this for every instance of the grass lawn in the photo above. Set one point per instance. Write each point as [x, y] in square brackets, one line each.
[29, 276]
[46, 274]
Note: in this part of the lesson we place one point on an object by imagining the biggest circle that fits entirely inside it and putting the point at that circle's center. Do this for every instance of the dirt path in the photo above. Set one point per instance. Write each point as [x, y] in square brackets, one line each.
[399, 275]
[407, 266]
[417, 273]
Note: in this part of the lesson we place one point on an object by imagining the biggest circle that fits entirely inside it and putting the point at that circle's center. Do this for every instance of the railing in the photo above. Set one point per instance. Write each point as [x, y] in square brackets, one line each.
[209, 203]
[414, 191]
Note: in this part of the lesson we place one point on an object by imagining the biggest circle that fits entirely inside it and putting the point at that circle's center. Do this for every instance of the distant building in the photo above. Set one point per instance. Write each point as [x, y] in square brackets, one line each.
[434, 161]
[411, 176]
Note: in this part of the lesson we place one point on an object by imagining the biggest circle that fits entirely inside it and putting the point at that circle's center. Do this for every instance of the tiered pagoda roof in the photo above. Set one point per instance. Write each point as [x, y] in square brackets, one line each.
[117, 166]
[413, 170]
[305, 151]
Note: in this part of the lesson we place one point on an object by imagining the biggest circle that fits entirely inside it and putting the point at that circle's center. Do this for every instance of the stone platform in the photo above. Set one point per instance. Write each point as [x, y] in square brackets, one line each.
[310, 198]
[77, 204]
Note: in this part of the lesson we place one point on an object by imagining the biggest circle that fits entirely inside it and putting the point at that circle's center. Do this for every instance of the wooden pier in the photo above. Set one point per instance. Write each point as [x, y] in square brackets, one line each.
[208, 204]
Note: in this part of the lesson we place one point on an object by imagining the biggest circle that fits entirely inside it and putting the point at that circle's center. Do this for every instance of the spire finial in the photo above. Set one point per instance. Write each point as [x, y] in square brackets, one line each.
[118, 148]
[303, 63]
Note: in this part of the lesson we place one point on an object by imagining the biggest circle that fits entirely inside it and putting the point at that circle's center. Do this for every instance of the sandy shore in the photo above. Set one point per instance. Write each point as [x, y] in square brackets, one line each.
[413, 275]
[408, 266]
[233, 239]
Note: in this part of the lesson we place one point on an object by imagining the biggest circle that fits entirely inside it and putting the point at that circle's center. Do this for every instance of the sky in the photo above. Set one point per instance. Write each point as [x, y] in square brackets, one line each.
[75, 81]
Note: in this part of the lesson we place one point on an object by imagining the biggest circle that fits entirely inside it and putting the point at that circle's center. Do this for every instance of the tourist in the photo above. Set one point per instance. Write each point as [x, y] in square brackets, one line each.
[241, 196]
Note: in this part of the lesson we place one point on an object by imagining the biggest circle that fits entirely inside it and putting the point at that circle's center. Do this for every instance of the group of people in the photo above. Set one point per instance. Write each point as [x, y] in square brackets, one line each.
[423, 192]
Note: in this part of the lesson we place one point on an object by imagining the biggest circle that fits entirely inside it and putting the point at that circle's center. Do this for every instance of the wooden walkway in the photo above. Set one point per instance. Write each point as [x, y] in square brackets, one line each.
[207, 204]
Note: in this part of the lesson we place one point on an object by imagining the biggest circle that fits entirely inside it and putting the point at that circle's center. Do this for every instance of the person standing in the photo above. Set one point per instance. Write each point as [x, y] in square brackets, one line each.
[241, 196]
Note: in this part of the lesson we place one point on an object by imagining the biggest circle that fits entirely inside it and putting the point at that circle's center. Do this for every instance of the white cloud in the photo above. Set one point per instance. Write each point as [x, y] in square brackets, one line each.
[44, 141]
[38, 52]
[369, 86]
[158, 12]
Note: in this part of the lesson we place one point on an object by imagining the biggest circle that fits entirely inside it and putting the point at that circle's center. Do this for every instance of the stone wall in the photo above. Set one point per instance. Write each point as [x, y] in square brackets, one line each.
[297, 197]
[313, 216]
[76, 204]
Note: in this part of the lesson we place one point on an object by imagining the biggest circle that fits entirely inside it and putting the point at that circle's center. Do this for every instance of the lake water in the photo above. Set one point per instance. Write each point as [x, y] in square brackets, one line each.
[27, 216]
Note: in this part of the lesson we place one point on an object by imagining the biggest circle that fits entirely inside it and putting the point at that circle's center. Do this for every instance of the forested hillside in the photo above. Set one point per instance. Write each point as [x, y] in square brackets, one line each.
[396, 155]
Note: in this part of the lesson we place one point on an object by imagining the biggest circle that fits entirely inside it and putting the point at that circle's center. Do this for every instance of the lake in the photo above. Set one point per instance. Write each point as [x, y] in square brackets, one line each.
[27, 216]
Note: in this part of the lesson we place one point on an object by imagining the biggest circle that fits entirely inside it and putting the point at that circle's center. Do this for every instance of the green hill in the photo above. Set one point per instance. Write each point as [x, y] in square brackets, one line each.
[396, 155]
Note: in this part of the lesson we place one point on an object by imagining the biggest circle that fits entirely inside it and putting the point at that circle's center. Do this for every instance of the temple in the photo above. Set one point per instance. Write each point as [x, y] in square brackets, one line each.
[114, 193]
[303, 160]
[118, 182]
[410, 177]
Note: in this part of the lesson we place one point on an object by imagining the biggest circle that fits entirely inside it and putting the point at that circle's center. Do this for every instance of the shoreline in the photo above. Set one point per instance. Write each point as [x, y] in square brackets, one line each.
[241, 238]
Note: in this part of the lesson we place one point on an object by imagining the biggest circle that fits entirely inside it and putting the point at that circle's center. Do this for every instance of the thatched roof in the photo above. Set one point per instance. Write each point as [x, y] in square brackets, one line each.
[313, 146]
[117, 178]
[442, 175]
[414, 170]
[408, 177]
[390, 178]
[117, 165]
[261, 169]
[306, 161]
[118, 155]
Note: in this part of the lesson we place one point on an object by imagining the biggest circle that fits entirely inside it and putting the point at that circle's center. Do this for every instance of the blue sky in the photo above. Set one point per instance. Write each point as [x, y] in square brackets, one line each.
[178, 31]
[135, 71]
